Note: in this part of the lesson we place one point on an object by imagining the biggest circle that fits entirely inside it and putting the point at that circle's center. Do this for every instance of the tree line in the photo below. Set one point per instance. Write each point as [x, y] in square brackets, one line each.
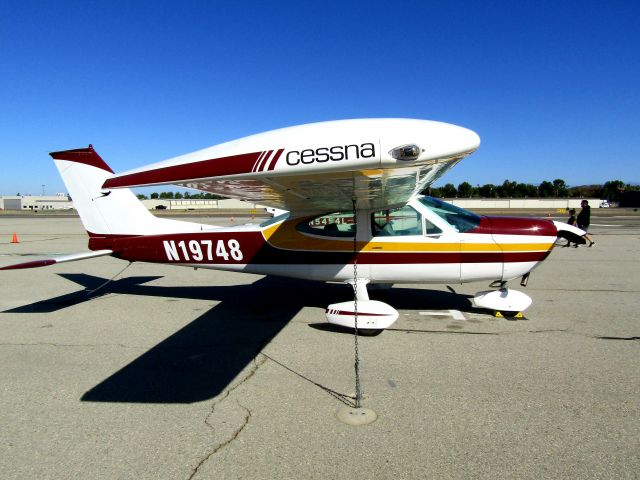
[180, 196]
[558, 188]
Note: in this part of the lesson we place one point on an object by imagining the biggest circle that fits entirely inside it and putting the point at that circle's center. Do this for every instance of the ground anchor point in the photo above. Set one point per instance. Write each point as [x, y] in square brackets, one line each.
[356, 416]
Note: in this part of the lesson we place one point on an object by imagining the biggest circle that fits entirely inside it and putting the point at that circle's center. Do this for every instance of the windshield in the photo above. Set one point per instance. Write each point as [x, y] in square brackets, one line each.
[459, 218]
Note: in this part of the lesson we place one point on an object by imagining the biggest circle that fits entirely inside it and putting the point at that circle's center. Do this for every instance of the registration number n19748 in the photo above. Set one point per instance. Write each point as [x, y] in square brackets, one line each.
[199, 250]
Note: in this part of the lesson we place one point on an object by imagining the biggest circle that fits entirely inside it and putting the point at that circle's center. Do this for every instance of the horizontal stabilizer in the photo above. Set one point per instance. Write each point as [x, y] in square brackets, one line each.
[72, 257]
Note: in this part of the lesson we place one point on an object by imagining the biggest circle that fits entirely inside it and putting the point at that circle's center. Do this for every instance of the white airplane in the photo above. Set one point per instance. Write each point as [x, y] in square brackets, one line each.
[355, 215]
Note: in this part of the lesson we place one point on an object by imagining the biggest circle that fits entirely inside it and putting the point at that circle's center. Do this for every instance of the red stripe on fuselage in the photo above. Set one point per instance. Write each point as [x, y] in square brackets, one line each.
[516, 226]
[204, 248]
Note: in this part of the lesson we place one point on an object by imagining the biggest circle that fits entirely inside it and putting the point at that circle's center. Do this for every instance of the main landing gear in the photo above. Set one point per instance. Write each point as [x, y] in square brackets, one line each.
[373, 316]
[505, 302]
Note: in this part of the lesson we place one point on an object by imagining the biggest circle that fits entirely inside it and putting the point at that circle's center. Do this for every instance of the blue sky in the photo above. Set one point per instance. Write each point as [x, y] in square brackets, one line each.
[551, 87]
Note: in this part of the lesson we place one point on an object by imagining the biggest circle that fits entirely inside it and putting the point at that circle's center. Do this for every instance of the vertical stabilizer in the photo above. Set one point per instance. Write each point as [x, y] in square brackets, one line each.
[105, 211]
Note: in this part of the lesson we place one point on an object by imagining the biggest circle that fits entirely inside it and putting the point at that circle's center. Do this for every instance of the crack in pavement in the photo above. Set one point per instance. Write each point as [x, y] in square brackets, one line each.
[617, 338]
[221, 445]
[257, 363]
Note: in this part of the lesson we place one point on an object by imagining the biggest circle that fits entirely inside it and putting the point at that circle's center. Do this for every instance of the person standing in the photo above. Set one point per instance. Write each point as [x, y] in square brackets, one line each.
[584, 219]
[572, 222]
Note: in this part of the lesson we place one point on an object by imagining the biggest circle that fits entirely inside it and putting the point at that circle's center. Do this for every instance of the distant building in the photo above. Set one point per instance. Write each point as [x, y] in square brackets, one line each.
[198, 204]
[59, 201]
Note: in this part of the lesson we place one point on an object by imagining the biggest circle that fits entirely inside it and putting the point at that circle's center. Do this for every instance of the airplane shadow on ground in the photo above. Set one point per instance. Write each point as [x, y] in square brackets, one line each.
[200, 360]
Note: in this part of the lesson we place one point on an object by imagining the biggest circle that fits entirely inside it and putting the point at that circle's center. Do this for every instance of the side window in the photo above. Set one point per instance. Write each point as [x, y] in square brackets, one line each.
[332, 225]
[398, 222]
[431, 229]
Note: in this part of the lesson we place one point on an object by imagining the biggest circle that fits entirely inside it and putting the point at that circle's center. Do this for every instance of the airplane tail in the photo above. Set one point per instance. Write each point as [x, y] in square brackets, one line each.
[106, 211]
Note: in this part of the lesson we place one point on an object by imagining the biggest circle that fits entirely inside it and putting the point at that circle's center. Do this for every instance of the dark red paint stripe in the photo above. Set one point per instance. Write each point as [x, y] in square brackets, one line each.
[255, 165]
[516, 226]
[272, 165]
[87, 156]
[215, 167]
[265, 160]
[360, 314]
[34, 264]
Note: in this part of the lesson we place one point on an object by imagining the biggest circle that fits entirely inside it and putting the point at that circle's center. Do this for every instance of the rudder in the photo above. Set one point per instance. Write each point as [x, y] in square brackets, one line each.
[103, 212]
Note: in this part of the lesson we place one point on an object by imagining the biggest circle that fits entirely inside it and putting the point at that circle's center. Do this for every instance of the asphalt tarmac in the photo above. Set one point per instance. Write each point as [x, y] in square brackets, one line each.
[171, 373]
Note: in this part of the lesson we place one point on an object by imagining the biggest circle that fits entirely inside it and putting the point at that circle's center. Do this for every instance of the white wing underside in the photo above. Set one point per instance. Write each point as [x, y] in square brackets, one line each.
[325, 192]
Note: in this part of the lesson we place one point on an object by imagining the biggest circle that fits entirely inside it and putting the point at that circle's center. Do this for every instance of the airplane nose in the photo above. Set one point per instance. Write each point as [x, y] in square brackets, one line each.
[522, 226]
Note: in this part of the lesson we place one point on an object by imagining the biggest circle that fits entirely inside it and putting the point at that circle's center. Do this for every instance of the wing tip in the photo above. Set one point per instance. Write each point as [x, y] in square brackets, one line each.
[33, 264]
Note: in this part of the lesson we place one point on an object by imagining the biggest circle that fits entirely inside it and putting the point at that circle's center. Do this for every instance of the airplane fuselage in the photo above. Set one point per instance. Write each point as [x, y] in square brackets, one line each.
[421, 242]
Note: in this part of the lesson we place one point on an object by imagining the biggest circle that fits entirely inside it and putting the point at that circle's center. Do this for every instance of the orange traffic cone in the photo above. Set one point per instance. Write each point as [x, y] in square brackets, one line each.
[14, 239]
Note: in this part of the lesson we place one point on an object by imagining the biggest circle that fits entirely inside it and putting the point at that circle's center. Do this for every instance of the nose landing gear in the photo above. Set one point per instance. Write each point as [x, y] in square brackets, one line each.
[505, 302]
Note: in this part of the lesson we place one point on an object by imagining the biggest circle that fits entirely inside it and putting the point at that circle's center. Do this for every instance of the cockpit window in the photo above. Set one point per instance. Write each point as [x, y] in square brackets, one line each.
[332, 225]
[460, 219]
[398, 222]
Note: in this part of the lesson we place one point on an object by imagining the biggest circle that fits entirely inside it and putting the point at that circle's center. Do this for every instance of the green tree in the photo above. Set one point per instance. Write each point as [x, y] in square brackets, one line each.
[560, 188]
[611, 190]
[449, 190]
[141, 196]
[526, 190]
[487, 191]
[435, 192]
[154, 195]
[465, 190]
[507, 189]
[177, 195]
[545, 189]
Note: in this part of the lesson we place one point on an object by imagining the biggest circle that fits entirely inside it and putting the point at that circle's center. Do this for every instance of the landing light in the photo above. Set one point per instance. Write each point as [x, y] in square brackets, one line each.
[406, 152]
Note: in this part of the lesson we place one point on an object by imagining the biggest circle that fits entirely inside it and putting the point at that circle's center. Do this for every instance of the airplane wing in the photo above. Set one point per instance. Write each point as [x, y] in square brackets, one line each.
[319, 167]
[72, 257]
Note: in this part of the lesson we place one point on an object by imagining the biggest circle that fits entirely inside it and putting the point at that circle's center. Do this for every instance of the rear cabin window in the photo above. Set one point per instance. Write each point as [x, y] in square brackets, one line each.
[397, 222]
[331, 225]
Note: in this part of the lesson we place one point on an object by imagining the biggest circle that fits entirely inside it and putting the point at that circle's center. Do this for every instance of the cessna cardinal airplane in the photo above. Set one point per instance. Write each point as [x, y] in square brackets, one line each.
[351, 190]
